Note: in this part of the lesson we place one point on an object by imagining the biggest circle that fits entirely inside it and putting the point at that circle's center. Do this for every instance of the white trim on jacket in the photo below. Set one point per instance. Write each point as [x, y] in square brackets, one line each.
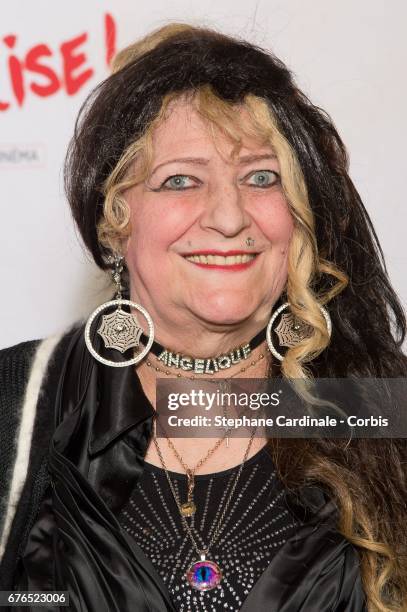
[24, 434]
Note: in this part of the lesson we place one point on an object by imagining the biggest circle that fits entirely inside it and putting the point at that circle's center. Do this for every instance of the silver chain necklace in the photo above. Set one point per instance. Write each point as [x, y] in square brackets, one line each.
[204, 574]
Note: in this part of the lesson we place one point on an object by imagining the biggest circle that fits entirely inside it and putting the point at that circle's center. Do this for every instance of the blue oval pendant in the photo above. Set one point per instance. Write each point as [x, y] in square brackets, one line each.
[204, 575]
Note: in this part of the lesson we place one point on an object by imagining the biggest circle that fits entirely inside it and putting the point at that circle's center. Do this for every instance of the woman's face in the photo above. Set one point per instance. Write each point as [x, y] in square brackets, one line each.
[199, 200]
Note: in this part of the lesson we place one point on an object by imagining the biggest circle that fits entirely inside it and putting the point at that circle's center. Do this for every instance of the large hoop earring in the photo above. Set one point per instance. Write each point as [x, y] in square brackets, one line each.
[120, 329]
[290, 330]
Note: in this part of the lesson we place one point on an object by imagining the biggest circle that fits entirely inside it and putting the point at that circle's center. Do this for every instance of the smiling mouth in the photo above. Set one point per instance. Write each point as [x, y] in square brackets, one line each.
[232, 262]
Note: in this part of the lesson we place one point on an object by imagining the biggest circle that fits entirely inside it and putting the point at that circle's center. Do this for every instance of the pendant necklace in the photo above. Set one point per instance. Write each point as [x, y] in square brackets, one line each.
[188, 508]
[204, 574]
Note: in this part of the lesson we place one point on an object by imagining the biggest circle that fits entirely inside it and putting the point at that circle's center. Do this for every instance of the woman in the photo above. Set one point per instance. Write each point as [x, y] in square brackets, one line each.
[216, 193]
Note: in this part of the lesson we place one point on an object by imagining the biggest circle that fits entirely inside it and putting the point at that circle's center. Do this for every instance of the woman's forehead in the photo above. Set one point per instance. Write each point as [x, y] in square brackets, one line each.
[183, 130]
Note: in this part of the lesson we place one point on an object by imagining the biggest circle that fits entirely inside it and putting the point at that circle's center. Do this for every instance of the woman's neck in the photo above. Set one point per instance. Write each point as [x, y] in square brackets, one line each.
[192, 449]
[255, 367]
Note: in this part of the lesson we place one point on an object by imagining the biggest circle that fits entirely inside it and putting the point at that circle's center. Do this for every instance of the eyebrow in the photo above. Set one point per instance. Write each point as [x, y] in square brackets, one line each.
[247, 159]
[201, 161]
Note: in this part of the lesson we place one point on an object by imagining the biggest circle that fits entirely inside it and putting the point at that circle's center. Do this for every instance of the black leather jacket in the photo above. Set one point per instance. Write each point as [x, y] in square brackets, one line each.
[95, 423]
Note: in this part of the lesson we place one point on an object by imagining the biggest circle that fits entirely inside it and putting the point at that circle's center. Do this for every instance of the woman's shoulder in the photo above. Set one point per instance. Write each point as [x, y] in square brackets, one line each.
[29, 373]
[22, 362]
[16, 359]
[15, 372]
[26, 373]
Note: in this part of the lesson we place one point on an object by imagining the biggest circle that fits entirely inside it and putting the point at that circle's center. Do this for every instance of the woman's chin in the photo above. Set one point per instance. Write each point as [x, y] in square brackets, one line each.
[222, 314]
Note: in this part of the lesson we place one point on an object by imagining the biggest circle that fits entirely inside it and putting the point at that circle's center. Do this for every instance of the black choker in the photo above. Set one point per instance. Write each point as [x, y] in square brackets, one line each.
[207, 365]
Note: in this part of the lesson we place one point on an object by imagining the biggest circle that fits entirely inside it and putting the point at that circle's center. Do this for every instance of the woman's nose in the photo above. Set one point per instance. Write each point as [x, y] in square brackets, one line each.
[225, 211]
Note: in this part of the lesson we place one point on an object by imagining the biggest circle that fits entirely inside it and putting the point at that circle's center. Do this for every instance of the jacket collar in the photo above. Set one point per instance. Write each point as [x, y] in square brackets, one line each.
[111, 398]
[124, 406]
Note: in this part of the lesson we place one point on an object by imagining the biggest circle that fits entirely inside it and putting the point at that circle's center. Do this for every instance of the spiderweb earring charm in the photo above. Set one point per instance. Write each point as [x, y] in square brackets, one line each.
[291, 330]
[119, 330]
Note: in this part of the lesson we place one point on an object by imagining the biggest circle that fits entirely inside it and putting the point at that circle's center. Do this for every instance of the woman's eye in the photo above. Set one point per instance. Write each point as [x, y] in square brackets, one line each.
[179, 182]
[263, 178]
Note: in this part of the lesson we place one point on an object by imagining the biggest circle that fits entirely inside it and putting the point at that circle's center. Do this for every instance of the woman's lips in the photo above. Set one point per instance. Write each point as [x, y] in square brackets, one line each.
[228, 267]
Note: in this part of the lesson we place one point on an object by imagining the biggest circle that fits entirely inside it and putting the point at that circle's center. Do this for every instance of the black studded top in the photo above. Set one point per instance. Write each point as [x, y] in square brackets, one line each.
[256, 524]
